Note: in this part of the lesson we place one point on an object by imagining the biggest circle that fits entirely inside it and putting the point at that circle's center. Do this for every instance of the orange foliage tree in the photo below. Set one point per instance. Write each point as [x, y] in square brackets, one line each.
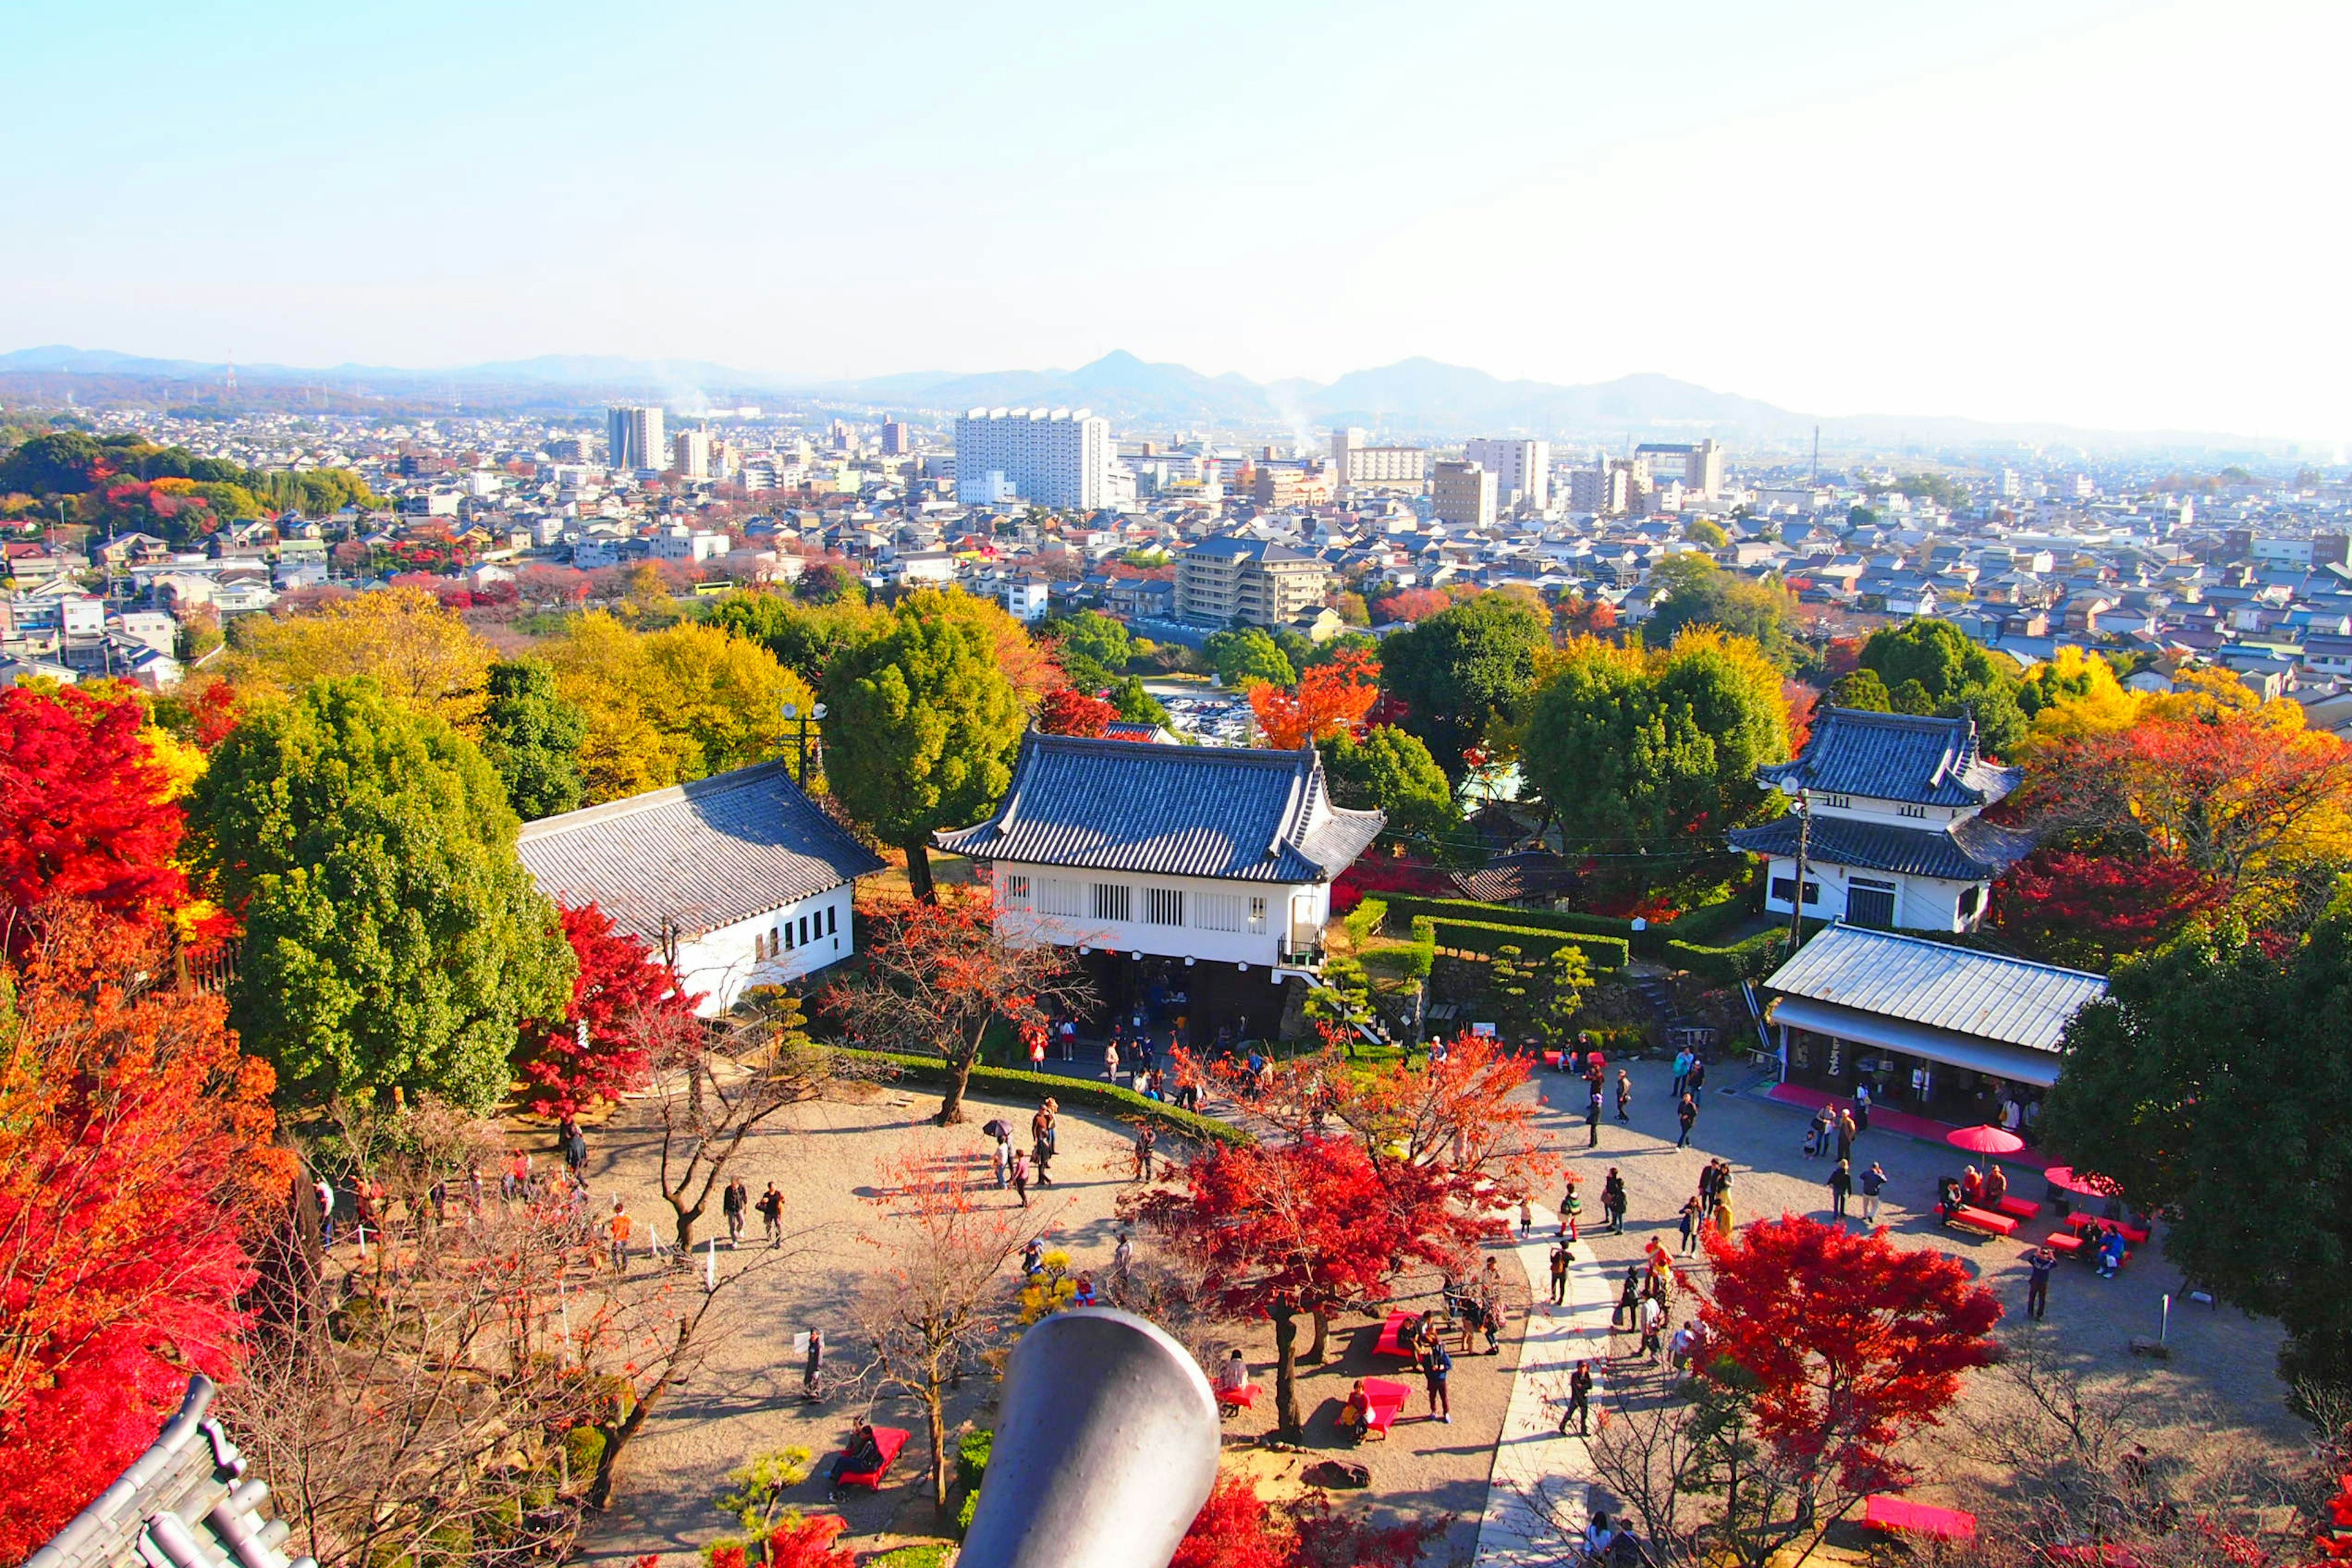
[1238, 1529]
[1069, 711]
[135, 1140]
[1331, 699]
[83, 808]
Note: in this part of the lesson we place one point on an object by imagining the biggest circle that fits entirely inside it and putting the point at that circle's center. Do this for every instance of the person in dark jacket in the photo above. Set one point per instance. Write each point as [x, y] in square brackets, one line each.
[1841, 1184]
[1872, 1182]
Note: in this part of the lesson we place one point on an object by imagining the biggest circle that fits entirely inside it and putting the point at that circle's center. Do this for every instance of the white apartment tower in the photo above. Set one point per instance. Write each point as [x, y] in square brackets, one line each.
[633, 437]
[694, 454]
[1463, 493]
[1057, 457]
[1357, 464]
[1522, 470]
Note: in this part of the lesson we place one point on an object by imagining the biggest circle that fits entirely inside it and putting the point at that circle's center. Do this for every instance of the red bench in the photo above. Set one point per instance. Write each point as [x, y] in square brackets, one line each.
[1242, 1398]
[2019, 1208]
[1384, 1400]
[1985, 1220]
[1391, 1341]
[2064, 1243]
[887, 1441]
[1885, 1510]
[2137, 1235]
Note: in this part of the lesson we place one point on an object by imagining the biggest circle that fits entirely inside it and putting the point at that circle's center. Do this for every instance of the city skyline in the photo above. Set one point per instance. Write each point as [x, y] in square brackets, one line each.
[2099, 215]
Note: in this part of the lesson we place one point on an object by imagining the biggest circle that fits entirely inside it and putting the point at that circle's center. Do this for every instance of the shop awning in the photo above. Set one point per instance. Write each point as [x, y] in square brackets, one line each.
[2020, 1064]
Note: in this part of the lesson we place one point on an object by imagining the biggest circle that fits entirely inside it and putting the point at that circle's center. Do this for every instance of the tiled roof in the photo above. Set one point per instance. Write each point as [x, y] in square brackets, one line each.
[1970, 851]
[1253, 549]
[701, 856]
[1938, 984]
[1906, 757]
[1173, 811]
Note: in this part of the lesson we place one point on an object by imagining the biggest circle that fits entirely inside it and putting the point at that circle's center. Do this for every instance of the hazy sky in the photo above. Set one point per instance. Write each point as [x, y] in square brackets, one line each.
[2106, 212]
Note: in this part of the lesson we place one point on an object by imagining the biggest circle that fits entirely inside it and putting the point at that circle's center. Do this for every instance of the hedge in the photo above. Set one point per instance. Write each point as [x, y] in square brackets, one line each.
[1424, 949]
[1069, 1091]
[1751, 959]
[1601, 952]
[1401, 906]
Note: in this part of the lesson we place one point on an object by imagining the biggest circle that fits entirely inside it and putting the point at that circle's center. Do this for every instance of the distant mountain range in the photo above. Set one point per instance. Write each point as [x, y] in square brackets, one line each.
[1413, 399]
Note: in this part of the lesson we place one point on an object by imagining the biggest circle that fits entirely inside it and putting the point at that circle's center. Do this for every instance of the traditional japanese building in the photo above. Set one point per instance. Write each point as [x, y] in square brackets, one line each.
[1211, 859]
[738, 876]
[1894, 837]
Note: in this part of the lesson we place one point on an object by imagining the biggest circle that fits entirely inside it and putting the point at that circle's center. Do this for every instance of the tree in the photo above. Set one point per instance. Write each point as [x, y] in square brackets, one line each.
[597, 1050]
[1861, 689]
[415, 650]
[1136, 705]
[1092, 634]
[942, 1297]
[1707, 532]
[532, 737]
[1238, 1529]
[393, 939]
[1412, 605]
[1701, 593]
[1460, 671]
[1070, 711]
[2072, 694]
[63, 462]
[716, 1089]
[802, 636]
[1247, 657]
[2088, 911]
[85, 812]
[1392, 772]
[1954, 676]
[1649, 747]
[920, 729]
[939, 976]
[1843, 1345]
[1331, 700]
[135, 1143]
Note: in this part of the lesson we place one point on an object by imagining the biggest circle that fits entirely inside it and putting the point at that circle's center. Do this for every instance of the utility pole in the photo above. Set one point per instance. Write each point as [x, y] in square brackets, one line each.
[1804, 853]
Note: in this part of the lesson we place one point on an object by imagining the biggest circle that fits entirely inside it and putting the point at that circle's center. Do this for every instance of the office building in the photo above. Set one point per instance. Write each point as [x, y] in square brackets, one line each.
[1522, 470]
[1254, 581]
[694, 454]
[1699, 464]
[1611, 488]
[633, 439]
[1357, 464]
[1463, 493]
[1055, 458]
[897, 442]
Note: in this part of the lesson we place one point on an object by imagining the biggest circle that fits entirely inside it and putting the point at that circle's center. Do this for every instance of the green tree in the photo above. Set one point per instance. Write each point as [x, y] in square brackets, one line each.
[1247, 656]
[393, 939]
[532, 737]
[1343, 1002]
[1701, 593]
[64, 462]
[1460, 670]
[1862, 689]
[920, 728]
[804, 637]
[1136, 705]
[1092, 634]
[1648, 748]
[1392, 771]
[1953, 675]
[2212, 1079]
[1706, 530]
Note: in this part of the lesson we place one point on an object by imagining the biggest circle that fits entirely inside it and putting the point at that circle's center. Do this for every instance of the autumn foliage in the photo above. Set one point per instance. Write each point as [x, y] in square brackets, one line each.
[1330, 700]
[1238, 1529]
[798, 1542]
[597, 1051]
[1069, 711]
[134, 1142]
[83, 813]
[2094, 909]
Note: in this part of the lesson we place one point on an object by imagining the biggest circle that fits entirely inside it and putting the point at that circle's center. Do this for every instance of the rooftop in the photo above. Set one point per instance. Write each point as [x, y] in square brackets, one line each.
[1960, 989]
[1914, 758]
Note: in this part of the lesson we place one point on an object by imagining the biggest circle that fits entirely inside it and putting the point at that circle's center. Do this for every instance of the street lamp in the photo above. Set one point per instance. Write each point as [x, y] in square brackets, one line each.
[792, 715]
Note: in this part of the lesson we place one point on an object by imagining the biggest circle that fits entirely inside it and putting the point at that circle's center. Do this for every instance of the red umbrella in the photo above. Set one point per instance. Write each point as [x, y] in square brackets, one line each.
[1986, 1139]
[2065, 1178]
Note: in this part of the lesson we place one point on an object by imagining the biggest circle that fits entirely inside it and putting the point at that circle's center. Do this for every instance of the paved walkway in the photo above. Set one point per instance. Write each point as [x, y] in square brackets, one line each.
[1536, 1496]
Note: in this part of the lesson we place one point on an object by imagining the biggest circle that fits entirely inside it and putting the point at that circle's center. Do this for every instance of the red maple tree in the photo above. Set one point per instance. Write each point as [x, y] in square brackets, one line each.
[1414, 604]
[83, 813]
[135, 1142]
[1238, 1529]
[798, 1542]
[2093, 909]
[214, 713]
[1330, 700]
[1069, 711]
[597, 1050]
[1847, 1342]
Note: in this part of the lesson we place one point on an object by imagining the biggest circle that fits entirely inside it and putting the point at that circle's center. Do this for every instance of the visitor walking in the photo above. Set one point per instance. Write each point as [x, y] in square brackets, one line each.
[1845, 1132]
[772, 1215]
[1687, 1115]
[1043, 1138]
[1681, 1073]
[1693, 1215]
[1000, 1160]
[1613, 1202]
[1110, 1060]
[1862, 1107]
[620, 1226]
[734, 1204]
[1122, 1260]
[1873, 1182]
[1144, 1142]
[1579, 1398]
[1625, 1096]
[1841, 1184]
[1629, 1299]
[1021, 1175]
[2038, 1264]
[1592, 1118]
[1558, 1273]
[813, 1369]
[1435, 1364]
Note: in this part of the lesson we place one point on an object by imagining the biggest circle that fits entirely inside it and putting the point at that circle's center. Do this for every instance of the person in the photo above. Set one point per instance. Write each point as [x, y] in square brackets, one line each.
[1579, 1398]
[1653, 1317]
[1490, 1305]
[1613, 1200]
[1682, 1072]
[1021, 1175]
[1038, 1053]
[1873, 1184]
[1032, 1259]
[1527, 1218]
[1680, 1344]
[862, 1458]
[575, 1150]
[1706, 1179]
[1817, 1133]
[734, 1204]
[1845, 1130]
[2111, 1254]
[772, 1215]
[326, 1211]
[1571, 1208]
[1435, 1364]
[1110, 1060]
[1948, 1198]
[1862, 1107]
[1698, 1074]
[1235, 1375]
[1723, 1215]
[1085, 1296]
[1693, 1214]
[1558, 1273]
[1841, 1184]
[1687, 1115]
[1629, 1299]
[2013, 1115]
[619, 1225]
[1409, 1335]
[1972, 1187]
[2038, 1265]
[1598, 1540]
[1144, 1142]
[1041, 1126]
[1625, 1096]
[1122, 1262]
[1000, 1161]
[1592, 1118]
[1996, 1186]
[813, 1369]
[1353, 1414]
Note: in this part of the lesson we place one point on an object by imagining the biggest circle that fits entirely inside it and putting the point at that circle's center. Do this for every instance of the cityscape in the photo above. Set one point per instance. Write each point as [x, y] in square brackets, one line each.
[632, 933]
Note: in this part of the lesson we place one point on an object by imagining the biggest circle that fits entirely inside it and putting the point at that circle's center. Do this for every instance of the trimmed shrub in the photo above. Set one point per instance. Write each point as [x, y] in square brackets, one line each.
[1119, 1101]
[1601, 953]
[1424, 950]
[1403, 905]
[1365, 918]
[972, 1457]
[1751, 959]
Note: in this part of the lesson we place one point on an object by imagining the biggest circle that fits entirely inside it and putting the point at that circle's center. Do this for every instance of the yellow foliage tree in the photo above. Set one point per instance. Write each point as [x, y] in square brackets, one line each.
[2079, 696]
[2211, 694]
[670, 706]
[420, 653]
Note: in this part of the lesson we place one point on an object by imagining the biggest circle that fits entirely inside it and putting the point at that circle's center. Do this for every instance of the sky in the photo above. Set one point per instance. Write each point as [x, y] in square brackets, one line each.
[2107, 213]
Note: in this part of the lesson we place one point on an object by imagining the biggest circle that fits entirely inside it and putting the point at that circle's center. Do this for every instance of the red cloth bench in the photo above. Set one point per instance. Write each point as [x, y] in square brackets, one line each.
[2134, 1233]
[1242, 1398]
[1885, 1510]
[2064, 1243]
[1391, 1341]
[1384, 1400]
[887, 1441]
[2019, 1208]
[1984, 1220]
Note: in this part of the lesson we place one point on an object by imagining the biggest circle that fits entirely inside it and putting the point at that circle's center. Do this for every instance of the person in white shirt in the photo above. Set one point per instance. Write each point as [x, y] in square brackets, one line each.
[1235, 1375]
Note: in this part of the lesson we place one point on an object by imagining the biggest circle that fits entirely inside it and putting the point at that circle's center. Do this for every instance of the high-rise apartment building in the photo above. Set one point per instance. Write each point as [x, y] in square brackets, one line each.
[633, 439]
[1258, 583]
[693, 454]
[1611, 488]
[1356, 464]
[1463, 493]
[1522, 470]
[896, 440]
[1699, 464]
[1056, 457]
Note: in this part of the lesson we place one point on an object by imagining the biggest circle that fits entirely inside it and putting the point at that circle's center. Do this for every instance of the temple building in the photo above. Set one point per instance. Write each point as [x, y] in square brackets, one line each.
[1151, 859]
[1895, 840]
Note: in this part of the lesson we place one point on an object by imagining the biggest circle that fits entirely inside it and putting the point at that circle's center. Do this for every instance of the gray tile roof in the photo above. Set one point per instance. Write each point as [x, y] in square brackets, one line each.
[1970, 851]
[1936, 983]
[702, 855]
[1173, 811]
[1907, 757]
